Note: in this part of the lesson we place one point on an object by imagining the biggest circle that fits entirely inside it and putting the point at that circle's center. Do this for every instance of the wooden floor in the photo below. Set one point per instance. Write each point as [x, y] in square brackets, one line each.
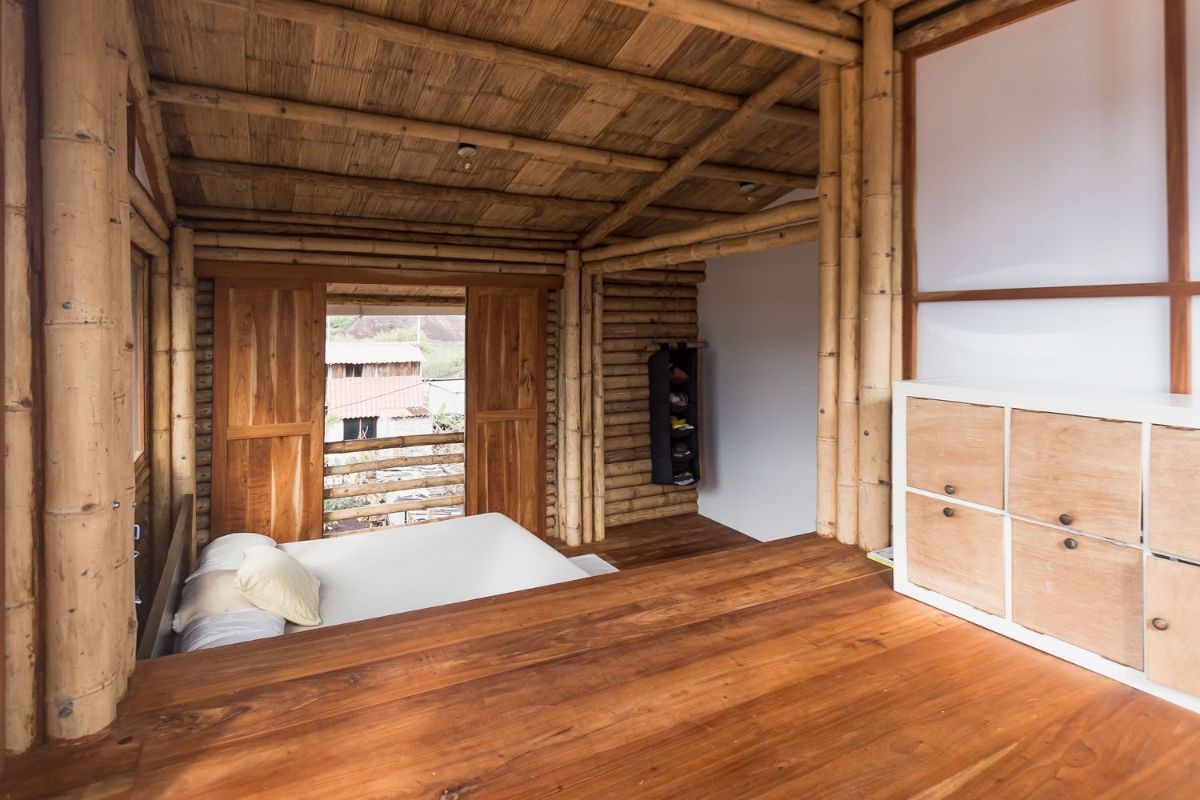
[645, 543]
[781, 670]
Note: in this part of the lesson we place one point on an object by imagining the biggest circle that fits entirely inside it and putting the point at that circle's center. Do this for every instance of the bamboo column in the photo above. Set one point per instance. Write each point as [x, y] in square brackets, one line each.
[85, 594]
[183, 366]
[160, 410]
[828, 275]
[561, 414]
[21, 519]
[898, 218]
[586, 393]
[598, 421]
[875, 358]
[849, 258]
[571, 399]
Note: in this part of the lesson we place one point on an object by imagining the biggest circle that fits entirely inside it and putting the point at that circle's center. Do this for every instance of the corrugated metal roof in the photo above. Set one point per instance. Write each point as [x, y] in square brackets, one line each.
[397, 396]
[373, 353]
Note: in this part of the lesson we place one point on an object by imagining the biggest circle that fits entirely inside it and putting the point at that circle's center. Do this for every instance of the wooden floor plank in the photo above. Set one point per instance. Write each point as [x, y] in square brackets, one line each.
[777, 670]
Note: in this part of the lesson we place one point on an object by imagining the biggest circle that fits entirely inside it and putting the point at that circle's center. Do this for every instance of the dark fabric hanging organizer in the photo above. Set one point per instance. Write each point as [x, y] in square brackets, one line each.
[674, 452]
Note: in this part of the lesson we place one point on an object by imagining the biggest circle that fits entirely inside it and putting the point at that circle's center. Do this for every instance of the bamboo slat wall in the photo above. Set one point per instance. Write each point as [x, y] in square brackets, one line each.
[204, 406]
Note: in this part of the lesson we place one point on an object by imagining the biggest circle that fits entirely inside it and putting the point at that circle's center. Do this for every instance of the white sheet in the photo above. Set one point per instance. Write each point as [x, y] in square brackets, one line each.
[371, 575]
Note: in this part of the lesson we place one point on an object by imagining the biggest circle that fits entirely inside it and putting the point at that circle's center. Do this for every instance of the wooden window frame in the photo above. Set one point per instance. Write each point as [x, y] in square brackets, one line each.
[1179, 287]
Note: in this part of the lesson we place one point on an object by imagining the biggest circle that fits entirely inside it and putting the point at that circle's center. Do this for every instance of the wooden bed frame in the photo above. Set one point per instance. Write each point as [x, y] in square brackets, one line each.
[158, 638]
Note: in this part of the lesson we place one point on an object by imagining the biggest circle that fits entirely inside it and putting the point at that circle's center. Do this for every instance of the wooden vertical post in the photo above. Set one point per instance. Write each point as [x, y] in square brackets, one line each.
[829, 186]
[849, 257]
[1178, 249]
[21, 520]
[85, 596]
[597, 455]
[586, 395]
[160, 409]
[183, 366]
[561, 409]
[875, 359]
[571, 398]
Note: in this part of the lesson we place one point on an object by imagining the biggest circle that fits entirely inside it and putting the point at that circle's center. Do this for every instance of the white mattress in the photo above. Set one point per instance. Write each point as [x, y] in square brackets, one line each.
[371, 575]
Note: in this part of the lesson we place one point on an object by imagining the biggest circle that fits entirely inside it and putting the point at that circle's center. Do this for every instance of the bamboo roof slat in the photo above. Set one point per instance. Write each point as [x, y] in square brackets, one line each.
[373, 247]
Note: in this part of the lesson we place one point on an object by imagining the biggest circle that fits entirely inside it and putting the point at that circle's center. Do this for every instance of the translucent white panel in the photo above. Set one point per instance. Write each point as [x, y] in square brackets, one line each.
[1041, 152]
[1111, 343]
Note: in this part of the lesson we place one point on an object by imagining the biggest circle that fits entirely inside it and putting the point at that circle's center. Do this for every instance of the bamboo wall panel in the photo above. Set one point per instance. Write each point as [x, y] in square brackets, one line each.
[829, 303]
[204, 406]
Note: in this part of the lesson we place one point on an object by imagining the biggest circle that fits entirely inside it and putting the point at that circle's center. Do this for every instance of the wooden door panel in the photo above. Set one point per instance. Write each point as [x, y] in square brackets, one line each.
[268, 408]
[1173, 521]
[957, 449]
[1172, 624]
[960, 554]
[506, 455]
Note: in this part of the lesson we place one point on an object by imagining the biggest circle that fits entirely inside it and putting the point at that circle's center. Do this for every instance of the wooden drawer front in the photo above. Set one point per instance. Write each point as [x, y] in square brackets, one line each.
[958, 449]
[1089, 595]
[1173, 603]
[1173, 522]
[960, 556]
[1079, 472]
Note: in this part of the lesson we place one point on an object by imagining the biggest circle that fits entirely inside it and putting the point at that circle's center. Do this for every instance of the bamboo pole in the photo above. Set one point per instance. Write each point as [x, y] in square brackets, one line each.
[571, 399]
[898, 219]
[829, 278]
[397, 263]
[754, 26]
[598, 423]
[961, 17]
[394, 442]
[370, 223]
[391, 463]
[382, 509]
[21, 520]
[84, 593]
[849, 258]
[262, 241]
[303, 229]
[718, 138]
[875, 359]
[183, 365]
[807, 14]
[411, 190]
[278, 108]
[579, 73]
[560, 411]
[587, 389]
[752, 243]
[424, 482]
[160, 409]
[144, 237]
[786, 214]
[157, 153]
[145, 208]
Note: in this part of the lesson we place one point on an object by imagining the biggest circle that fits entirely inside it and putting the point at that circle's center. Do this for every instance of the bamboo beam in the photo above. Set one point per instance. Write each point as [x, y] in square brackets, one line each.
[144, 237]
[85, 596]
[291, 229]
[599, 491]
[409, 190]
[849, 259]
[385, 487]
[157, 155]
[396, 263]
[829, 277]
[577, 72]
[964, 16]
[372, 223]
[21, 520]
[786, 214]
[277, 108]
[407, 301]
[716, 139]
[908, 13]
[571, 399]
[382, 509]
[263, 241]
[394, 442]
[875, 359]
[392, 463]
[753, 243]
[145, 208]
[752, 25]
[183, 366]
[806, 13]
[160, 409]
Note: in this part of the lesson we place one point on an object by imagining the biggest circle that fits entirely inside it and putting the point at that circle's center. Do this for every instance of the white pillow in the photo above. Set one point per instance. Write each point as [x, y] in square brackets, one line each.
[218, 630]
[275, 581]
[225, 552]
[211, 593]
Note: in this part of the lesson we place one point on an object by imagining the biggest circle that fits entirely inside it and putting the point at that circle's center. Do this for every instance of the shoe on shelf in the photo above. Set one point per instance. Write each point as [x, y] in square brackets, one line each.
[680, 450]
[679, 401]
[678, 424]
[683, 478]
[676, 374]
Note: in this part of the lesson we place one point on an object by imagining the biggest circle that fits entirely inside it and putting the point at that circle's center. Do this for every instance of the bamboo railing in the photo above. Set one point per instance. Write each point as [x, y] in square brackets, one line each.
[385, 483]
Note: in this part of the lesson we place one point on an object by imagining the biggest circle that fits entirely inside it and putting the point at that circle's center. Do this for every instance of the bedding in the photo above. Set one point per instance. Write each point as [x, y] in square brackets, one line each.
[275, 581]
[225, 552]
[233, 627]
[210, 593]
[375, 574]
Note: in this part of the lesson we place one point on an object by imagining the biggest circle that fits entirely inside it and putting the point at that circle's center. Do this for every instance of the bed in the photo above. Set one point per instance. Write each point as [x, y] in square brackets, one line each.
[378, 573]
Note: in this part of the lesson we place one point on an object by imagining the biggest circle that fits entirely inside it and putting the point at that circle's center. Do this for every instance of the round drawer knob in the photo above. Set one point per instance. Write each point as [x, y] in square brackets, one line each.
[950, 489]
[1065, 519]
[1159, 624]
[948, 512]
[1070, 543]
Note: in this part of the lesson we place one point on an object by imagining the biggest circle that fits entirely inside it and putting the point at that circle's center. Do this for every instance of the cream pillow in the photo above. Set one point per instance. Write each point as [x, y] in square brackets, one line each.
[210, 593]
[275, 581]
[225, 552]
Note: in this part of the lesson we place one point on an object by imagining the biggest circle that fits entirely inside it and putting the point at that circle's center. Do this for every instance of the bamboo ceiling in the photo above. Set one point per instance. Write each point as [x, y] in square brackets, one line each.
[212, 45]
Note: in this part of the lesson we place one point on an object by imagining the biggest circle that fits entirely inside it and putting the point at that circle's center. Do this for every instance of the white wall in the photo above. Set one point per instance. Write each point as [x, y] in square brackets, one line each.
[758, 313]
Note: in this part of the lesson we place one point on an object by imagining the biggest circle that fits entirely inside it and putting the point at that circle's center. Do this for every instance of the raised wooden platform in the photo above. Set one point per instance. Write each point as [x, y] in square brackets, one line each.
[779, 670]
[643, 543]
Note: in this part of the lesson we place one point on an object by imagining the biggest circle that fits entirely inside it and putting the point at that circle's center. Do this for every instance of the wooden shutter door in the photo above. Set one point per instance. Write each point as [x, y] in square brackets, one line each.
[506, 404]
[268, 408]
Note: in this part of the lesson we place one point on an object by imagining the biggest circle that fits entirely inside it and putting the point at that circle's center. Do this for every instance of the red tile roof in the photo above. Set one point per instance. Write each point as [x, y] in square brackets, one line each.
[398, 396]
